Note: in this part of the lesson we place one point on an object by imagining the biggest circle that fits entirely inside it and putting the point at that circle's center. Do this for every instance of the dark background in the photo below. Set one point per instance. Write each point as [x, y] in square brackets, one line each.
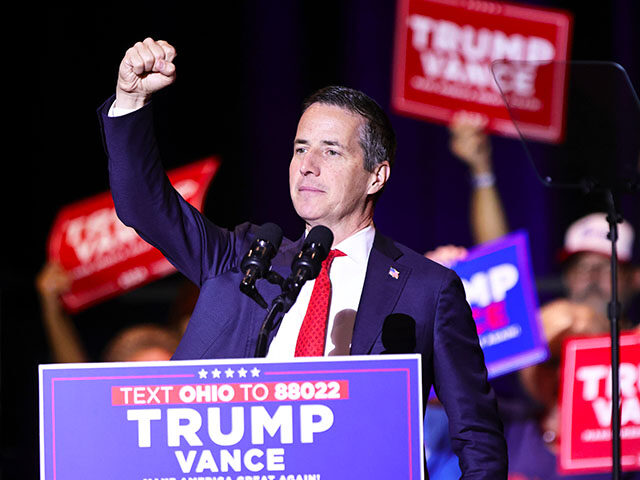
[243, 70]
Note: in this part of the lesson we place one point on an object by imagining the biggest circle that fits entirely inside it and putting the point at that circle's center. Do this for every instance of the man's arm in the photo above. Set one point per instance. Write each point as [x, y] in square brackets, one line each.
[143, 196]
[460, 382]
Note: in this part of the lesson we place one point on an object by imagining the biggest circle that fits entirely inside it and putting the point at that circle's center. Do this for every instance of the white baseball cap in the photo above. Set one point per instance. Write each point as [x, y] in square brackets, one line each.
[589, 234]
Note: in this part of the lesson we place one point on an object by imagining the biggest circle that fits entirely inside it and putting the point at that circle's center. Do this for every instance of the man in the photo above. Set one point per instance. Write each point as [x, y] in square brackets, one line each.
[343, 152]
[586, 258]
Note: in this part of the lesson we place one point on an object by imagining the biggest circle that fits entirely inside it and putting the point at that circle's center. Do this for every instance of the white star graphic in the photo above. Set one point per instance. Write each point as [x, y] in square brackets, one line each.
[229, 373]
[215, 373]
[203, 373]
[255, 372]
[242, 373]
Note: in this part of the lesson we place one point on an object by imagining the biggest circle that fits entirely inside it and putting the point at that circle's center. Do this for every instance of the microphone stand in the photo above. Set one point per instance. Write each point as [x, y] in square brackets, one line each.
[623, 111]
[267, 326]
[306, 265]
[613, 312]
[281, 304]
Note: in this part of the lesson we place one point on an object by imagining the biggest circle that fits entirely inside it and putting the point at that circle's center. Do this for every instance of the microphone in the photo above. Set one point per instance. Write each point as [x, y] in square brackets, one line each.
[399, 333]
[307, 263]
[257, 262]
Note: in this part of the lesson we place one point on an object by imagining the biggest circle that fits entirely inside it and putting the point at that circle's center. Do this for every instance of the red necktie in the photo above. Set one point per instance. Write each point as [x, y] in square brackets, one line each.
[314, 326]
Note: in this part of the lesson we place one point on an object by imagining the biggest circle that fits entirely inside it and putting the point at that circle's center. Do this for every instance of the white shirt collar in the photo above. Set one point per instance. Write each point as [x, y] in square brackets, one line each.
[358, 245]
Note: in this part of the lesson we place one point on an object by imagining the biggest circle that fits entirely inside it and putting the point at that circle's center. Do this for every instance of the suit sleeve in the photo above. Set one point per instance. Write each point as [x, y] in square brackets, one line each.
[145, 199]
[460, 381]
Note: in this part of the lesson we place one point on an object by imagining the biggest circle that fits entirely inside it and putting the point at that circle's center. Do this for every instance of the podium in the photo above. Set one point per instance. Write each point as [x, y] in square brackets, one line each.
[243, 419]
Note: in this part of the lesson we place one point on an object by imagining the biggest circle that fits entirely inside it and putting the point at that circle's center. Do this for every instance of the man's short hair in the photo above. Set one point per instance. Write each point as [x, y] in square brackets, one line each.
[377, 138]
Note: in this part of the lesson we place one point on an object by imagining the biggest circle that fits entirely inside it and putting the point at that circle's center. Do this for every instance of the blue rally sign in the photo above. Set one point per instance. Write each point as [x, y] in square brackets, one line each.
[313, 419]
[499, 285]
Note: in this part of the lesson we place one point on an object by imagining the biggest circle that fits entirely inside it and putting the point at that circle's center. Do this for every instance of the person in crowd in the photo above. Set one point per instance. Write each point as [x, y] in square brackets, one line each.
[533, 426]
[343, 153]
[533, 440]
[143, 342]
[586, 261]
[586, 258]
[586, 253]
[62, 336]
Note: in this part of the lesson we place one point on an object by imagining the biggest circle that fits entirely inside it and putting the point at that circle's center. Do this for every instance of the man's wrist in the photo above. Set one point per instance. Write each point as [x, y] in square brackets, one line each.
[128, 101]
[121, 106]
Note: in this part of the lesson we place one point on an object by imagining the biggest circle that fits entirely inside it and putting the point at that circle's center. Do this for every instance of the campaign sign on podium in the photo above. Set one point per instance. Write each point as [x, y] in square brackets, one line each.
[244, 419]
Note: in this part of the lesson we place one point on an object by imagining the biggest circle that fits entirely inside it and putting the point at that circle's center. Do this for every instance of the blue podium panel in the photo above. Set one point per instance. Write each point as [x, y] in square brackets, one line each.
[245, 419]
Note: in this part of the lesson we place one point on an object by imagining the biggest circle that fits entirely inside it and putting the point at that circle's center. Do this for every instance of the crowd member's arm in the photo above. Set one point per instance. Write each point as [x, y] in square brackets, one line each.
[472, 146]
[64, 340]
[447, 255]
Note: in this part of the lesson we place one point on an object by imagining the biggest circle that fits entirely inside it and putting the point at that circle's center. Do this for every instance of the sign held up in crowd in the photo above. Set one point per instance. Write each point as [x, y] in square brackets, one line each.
[105, 258]
[444, 51]
[585, 443]
[499, 285]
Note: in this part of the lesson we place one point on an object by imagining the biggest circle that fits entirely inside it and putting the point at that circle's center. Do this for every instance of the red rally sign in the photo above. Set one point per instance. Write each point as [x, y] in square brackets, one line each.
[106, 258]
[585, 441]
[443, 54]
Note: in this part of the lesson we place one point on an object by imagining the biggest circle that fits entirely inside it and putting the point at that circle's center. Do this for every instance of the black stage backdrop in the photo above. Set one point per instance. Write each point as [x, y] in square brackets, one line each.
[243, 70]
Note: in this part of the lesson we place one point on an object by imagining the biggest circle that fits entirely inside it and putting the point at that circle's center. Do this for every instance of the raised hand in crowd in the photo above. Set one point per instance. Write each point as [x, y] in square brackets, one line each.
[447, 255]
[64, 341]
[470, 143]
[146, 68]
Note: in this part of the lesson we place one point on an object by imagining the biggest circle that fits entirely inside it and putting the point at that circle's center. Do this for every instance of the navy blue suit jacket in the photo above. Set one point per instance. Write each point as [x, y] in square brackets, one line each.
[225, 323]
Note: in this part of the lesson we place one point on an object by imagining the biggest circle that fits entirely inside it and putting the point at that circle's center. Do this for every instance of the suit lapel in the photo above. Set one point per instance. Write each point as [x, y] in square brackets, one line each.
[384, 281]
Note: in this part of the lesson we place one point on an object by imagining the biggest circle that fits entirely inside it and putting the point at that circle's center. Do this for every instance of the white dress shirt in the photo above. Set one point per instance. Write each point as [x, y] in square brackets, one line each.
[347, 279]
[118, 112]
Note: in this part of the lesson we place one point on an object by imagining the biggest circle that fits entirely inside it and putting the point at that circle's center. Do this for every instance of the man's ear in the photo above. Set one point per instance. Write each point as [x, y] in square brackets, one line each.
[380, 176]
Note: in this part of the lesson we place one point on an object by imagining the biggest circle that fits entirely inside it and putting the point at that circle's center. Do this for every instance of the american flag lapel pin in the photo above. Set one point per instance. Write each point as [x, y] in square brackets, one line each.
[394, 273]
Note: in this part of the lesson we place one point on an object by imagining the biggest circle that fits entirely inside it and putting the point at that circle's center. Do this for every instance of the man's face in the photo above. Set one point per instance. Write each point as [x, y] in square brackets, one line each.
[327, 179]
[588, 280]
